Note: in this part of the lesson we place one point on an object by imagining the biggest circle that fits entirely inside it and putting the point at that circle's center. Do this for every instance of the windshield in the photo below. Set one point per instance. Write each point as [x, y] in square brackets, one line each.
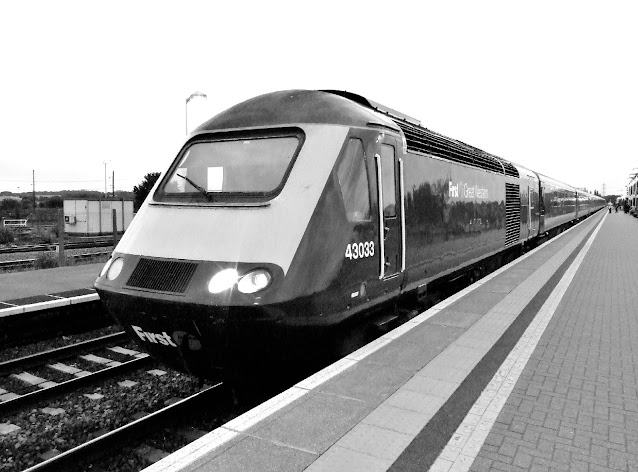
[226, 169]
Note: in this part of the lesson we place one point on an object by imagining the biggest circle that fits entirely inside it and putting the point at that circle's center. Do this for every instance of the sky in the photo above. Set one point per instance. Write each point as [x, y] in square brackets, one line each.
[89, 87]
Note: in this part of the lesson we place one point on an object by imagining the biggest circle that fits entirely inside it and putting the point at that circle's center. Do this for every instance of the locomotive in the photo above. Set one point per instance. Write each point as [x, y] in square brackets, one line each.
[297, 213]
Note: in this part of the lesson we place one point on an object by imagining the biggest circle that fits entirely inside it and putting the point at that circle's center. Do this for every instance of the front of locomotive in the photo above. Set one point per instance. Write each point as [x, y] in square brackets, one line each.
[200, 276]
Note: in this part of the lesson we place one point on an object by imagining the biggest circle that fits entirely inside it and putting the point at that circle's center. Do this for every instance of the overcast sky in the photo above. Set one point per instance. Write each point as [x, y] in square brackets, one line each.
[552, 85]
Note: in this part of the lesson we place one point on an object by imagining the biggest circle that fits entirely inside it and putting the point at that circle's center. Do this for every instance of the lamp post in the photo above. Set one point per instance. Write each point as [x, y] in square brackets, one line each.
[193, 95]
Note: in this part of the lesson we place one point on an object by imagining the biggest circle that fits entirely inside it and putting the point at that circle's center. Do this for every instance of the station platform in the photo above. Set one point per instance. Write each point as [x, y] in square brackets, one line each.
[531, 368]
[39, 289]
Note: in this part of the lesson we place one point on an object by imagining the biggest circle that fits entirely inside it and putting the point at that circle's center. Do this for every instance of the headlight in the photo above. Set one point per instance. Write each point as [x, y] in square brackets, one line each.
[115, 269]
[254, 281]
[223, 280]
[106, 267]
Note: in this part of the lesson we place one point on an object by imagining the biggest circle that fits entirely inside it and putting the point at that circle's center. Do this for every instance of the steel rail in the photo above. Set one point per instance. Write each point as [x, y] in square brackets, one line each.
[97, 448]
[10, 406]
[52, 246]
[51, 355]
[16, 264]
[29, 262]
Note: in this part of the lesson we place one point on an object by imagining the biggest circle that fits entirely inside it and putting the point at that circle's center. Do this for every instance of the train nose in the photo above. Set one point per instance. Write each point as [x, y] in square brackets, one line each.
[182, 350]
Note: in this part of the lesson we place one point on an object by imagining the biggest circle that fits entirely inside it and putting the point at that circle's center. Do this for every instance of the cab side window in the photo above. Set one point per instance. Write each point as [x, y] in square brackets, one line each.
[353, 180]
[388, 183]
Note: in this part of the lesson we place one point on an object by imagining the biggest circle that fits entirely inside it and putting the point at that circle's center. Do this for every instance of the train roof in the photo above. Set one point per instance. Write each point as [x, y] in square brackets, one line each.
[296, 106]
[350, 109]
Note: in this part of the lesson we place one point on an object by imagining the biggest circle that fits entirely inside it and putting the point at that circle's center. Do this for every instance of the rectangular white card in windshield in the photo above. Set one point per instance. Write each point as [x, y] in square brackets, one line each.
[215, 180]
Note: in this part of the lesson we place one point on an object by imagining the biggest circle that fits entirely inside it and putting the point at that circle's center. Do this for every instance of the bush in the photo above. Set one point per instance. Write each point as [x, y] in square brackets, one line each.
[47, 235]
[46, 260]
[6, 236]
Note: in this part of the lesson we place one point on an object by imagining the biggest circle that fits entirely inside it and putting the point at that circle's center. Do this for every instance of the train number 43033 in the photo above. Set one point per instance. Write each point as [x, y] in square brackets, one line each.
[360, 250]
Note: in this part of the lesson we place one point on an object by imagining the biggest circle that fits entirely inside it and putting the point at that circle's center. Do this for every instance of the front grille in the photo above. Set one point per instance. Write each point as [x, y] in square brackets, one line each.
[161, 275]
[512, 214]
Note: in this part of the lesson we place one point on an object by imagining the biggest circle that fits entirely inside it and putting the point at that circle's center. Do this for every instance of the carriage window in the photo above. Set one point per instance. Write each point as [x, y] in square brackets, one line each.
[353, 180]
[387, 177]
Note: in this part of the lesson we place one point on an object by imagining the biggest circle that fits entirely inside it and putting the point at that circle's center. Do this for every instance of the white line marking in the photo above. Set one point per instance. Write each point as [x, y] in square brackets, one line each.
[189, 453]
[84, 298]
[467, 441]
[46, 305]
[14, 310]
[17, 309]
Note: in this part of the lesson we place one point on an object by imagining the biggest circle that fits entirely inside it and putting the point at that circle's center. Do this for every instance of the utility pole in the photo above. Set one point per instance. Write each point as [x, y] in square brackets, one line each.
[113, 184]
[35, 216]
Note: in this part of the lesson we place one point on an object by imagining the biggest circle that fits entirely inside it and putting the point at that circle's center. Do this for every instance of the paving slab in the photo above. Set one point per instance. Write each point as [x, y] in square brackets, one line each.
[366, 381]
[419, 347]
[316, 424]
[34, 283]
[256, 454]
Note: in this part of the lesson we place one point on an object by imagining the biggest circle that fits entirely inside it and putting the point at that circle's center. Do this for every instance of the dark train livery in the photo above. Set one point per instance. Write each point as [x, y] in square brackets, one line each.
[297, 212]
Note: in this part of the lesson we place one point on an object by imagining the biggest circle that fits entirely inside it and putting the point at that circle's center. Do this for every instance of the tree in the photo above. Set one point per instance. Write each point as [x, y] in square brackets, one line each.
[10, 208]
[141, 191]
[54, 202]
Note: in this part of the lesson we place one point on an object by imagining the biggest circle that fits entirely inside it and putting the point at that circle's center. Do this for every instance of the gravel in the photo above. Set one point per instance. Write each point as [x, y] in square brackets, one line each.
[83, 419]
[42, 433]
[28, 349]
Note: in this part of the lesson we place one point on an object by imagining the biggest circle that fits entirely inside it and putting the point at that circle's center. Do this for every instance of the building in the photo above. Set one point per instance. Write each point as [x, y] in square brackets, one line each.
[95, 217]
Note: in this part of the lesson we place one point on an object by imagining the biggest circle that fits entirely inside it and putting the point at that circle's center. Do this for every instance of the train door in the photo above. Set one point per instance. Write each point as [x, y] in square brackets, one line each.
[541, 208]
[391, 212]
[534, 206]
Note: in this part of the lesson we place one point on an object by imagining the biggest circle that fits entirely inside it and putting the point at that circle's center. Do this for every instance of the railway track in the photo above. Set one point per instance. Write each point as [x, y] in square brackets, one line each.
[143, 431]
[52, 247]
[25, 263]
[64, 377]
[107, 443]
[113, 442]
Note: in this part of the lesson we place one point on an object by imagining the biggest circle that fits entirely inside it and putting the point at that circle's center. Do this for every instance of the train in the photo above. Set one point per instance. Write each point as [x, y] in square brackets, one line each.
[304, 212]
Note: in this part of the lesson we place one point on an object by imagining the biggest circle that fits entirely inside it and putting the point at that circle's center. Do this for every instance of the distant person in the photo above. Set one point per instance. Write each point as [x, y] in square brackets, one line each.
[609, 207]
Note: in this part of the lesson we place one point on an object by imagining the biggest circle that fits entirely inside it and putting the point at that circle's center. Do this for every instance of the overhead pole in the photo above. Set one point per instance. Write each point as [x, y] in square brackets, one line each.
[35, 215]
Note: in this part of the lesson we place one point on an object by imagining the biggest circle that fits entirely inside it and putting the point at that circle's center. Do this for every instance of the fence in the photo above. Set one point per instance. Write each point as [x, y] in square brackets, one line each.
[14, 223]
